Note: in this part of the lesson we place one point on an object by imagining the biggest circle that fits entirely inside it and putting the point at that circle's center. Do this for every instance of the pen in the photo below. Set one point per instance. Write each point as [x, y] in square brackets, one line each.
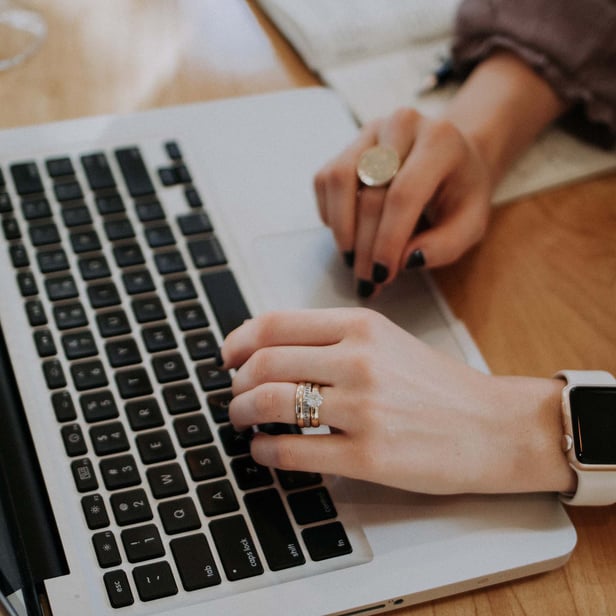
[438, 77]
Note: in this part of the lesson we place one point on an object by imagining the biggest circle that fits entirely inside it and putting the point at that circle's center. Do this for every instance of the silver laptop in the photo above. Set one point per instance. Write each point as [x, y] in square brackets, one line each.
[131, 246]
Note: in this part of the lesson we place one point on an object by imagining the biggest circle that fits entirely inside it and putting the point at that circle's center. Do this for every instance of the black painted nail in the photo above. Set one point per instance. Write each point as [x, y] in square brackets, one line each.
[416, 259]
[379, 273]
[365, 288]
[349, 257]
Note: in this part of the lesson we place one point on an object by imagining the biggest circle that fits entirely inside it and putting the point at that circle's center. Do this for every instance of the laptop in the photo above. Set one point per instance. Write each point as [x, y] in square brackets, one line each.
[131, 246]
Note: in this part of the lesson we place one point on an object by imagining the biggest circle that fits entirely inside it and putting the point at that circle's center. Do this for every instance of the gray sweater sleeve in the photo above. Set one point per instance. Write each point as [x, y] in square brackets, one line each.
[570, 43]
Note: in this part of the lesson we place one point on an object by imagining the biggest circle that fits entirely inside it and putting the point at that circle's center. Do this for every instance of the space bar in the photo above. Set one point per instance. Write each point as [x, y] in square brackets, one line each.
[226, 299]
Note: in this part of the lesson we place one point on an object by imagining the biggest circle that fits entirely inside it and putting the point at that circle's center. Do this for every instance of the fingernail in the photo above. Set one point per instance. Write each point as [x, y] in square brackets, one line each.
[416, 259]
[379, 273]
[349, 257]
[365, 288]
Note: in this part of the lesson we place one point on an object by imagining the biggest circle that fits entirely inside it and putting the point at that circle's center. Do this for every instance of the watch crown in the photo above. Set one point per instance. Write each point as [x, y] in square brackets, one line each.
[566, 442]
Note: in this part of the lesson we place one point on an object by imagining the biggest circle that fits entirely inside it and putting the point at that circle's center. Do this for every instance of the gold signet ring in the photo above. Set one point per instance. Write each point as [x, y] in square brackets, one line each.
[378, 165]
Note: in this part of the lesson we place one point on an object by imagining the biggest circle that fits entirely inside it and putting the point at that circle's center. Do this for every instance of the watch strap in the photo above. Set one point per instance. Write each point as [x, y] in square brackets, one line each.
[594, 487]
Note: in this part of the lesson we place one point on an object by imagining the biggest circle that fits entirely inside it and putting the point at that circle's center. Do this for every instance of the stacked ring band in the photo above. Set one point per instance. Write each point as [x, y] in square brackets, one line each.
[308, 399]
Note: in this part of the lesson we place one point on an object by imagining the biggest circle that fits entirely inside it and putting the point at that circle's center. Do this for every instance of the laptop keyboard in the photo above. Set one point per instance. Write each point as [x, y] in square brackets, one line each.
[118, 296]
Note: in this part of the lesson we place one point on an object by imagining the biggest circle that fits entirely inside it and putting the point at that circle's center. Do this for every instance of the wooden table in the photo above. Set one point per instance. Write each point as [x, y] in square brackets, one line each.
[538, 294]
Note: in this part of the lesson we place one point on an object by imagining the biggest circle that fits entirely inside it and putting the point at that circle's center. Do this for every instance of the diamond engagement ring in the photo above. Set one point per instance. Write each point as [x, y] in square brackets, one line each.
[308, 399]
[378, 165]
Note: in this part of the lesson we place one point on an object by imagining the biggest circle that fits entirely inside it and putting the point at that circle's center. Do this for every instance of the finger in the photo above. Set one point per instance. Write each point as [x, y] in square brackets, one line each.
[301, 327]
[284, 365]
[370, 206]
[341, 185]
[318, 453]
[449, 238]
[275, 403]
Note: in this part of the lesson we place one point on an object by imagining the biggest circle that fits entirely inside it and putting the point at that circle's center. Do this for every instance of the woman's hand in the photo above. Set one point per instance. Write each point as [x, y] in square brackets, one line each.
[441, 175]
[401, 413]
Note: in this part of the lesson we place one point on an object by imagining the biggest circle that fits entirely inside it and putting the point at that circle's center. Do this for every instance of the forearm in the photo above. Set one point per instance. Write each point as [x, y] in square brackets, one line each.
[502, 107]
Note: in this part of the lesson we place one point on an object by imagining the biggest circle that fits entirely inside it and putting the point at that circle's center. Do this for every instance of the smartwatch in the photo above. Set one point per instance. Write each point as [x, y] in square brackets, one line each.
[589, 439]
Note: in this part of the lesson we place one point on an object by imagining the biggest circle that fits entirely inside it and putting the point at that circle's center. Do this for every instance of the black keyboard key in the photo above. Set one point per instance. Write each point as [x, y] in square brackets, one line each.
[211, 377]
[36, 207]
[139, 281]
[92, 268]
[292, 480]
[134, 383]
[312, 505]
[97, 171]
[98, 406]
[127, 255]
[249, 475]
[123, 352]
[193, 198]
[226, 299]
[195, 562]
[202, 345]
[148, 309]
[11, 230]
[36, 313]
[155, 446]
[235, 443]
[120, 229]
[181, 398]
[5, 203]
[170, 262]
[54, 375]
[106, 549]
[158, 338]
[63, 406]
[326, 541]
[142, 543]
[80, 345]
[179, 515]
[274, 531]
[205, 463]
[193, 224]
[61, 287]
[169, 367]
[45, 345]
[149, 211]
[52, 260]
[58, 167]
[113, 323]
[76, 216]
[135, 172]
[130, 507]
[144, 414]
[217, 497]
[26, 178]
[109, 204]
[236, 548]
[69, 316]
[44, 234]
[83, 474]
[19, 255]
[159, 236]
[89, 375]
[103, 295]
[118, 589]
[84, 241]
[219, 406]
[192, 430]
[180, 289]
[95, 511]
[120, 472]
[191, 316]
[27, 284]
[173, 150]
[68, 191]
[109, 438]
[206, 252]
[74, 443]
[166, 480]
[154, 581]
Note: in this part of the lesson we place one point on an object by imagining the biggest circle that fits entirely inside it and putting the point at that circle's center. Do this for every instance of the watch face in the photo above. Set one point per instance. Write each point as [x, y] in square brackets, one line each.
[593, 415]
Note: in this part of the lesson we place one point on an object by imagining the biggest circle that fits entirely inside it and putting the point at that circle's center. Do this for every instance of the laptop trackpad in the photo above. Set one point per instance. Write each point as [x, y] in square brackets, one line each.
[303, 269]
